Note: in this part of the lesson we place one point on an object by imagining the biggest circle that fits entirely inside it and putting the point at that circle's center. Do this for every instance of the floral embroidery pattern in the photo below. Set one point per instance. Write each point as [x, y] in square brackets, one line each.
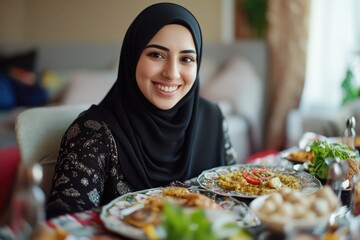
[93, 125]
[84, 181]
[94, 197]
[73, 131]
[71, 192]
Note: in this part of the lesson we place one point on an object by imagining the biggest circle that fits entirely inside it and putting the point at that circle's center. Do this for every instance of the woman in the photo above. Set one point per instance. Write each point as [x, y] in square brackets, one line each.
[152, 128]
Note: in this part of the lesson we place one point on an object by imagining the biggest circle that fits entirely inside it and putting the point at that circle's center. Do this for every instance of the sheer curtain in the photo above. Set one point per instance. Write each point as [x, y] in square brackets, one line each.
[333, 39]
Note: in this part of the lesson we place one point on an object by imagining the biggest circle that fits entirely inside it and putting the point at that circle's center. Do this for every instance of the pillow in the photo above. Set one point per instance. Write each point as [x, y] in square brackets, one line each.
[7, 95]
[25, 60]
[19, 70]
[29, 95]
[53, 82]
[238, 83]
[88, 86]
[207, 71]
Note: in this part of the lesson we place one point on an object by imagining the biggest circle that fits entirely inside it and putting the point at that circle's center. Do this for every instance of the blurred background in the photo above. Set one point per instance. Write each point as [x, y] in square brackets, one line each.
[311, 49]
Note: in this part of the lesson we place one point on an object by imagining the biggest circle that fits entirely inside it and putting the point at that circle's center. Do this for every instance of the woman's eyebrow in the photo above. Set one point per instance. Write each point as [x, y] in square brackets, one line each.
[167, 50]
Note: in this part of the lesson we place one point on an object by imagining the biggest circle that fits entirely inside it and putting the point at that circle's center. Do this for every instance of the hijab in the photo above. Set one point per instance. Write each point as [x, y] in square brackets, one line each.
[156, 147]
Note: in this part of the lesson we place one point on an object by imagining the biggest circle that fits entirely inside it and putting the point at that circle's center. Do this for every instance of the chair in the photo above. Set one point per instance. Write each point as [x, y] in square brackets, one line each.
[39, 132]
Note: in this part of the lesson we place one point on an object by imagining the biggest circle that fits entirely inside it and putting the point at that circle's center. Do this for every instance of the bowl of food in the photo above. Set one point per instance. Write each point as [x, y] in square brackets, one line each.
[292, 207]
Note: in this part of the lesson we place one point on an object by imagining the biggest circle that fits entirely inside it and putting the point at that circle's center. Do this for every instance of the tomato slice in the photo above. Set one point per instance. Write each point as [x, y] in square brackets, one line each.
[251, 178]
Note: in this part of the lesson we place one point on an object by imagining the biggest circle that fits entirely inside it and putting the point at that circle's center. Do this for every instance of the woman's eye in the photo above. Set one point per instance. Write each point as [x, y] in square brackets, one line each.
[155, 55]
[188, 59]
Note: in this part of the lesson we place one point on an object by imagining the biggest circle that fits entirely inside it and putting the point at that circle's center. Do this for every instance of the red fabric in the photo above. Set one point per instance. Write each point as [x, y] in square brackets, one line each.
[9, 161]
[262, 154]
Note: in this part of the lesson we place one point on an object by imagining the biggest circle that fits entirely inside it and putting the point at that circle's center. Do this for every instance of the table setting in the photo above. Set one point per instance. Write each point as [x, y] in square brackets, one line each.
[245, 205]
[269, 198]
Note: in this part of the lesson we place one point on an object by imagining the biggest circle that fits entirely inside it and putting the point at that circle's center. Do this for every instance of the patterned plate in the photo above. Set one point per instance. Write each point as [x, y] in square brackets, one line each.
[207, 179]
[112, 213]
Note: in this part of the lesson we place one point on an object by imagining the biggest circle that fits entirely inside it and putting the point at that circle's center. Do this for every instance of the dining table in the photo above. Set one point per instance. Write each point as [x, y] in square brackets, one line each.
[87, 225]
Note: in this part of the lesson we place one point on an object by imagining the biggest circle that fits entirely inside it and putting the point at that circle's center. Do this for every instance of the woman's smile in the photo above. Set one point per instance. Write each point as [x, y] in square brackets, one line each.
[166, 88]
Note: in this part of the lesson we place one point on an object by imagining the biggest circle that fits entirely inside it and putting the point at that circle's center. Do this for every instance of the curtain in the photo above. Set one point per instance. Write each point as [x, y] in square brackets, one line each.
[287, 36]
[332, 45]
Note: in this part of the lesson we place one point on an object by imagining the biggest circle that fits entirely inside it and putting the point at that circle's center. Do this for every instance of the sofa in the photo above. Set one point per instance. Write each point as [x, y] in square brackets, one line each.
[232, 75]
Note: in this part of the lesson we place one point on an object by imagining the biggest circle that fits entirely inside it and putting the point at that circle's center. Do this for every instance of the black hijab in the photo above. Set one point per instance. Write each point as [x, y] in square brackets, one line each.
[156, 147]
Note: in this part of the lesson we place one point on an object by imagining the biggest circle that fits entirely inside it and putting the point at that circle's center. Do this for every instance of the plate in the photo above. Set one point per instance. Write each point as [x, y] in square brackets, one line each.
[277, 223]
[207, 179]
[112, 213]
[297, 156]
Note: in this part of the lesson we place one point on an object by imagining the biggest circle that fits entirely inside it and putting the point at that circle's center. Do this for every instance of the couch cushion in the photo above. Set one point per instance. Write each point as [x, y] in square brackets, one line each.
[7, 94]
[238, 83]
[19, 70]
[88, 86]
[208, 70]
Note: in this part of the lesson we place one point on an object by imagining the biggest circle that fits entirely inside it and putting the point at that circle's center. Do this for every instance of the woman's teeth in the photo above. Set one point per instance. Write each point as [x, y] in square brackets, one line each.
[166, 88]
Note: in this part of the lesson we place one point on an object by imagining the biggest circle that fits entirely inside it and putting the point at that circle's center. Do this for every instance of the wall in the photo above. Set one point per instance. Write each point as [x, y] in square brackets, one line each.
[89, 21]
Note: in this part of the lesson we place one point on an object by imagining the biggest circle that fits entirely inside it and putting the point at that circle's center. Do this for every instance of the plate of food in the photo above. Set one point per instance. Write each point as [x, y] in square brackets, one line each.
[299, 156]
[251, 181]
[278, 209]
[132, 214]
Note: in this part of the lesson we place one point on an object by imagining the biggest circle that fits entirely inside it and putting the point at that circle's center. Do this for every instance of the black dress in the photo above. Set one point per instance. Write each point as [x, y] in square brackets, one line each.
[88, 173]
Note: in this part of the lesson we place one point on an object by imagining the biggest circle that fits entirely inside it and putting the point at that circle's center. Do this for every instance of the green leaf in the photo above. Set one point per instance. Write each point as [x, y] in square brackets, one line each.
[323, 150]
[350, 90]
[256, 15]
[193, 224]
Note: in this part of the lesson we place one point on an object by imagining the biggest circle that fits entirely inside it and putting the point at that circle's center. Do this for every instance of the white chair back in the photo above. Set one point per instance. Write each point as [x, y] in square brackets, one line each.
[39, 132]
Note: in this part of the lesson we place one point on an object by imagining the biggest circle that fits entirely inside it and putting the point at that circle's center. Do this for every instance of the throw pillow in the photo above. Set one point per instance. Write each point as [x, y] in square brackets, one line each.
[7, 95]
[22, 82]
[207, 71]
[25, 60]
[238, 83]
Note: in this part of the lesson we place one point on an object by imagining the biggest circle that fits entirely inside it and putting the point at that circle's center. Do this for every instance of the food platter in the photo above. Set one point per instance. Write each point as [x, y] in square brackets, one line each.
[208, 179]
[113, 213]
[300, 210]
[298, 156]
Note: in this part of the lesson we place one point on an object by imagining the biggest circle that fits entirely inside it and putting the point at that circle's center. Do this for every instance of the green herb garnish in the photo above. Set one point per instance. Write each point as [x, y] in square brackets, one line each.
[193, 224]
[323, 150]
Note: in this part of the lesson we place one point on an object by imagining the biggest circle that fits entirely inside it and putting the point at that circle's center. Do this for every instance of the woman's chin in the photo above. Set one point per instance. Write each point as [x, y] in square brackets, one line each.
[165, 105]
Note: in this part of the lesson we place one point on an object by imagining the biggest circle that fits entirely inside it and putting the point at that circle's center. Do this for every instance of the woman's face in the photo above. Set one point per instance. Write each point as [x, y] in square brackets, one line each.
[167, 67]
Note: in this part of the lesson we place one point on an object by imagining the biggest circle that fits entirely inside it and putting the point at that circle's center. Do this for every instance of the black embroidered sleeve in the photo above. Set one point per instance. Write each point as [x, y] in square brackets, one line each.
[87, 163]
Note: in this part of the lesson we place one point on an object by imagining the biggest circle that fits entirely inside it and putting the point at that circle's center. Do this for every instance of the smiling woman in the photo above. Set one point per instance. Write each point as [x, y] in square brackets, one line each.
[152, 128]
[166, 69]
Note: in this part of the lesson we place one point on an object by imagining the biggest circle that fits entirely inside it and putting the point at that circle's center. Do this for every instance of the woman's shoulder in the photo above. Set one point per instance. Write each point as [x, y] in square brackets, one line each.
[89, 119]
[93, 113]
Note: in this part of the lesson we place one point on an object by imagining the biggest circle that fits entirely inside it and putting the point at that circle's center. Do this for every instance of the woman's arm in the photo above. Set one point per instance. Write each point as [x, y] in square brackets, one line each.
[82, 168]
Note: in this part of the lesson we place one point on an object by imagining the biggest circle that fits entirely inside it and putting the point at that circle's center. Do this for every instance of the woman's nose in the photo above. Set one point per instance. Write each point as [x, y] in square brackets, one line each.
[171, 70]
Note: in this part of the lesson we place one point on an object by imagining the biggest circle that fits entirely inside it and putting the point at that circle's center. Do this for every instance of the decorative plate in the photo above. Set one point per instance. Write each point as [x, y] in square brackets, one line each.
[112, 214]
[207, 179]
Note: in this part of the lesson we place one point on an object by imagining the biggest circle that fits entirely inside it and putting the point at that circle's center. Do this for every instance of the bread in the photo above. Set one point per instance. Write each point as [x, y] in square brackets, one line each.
[353, 169]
